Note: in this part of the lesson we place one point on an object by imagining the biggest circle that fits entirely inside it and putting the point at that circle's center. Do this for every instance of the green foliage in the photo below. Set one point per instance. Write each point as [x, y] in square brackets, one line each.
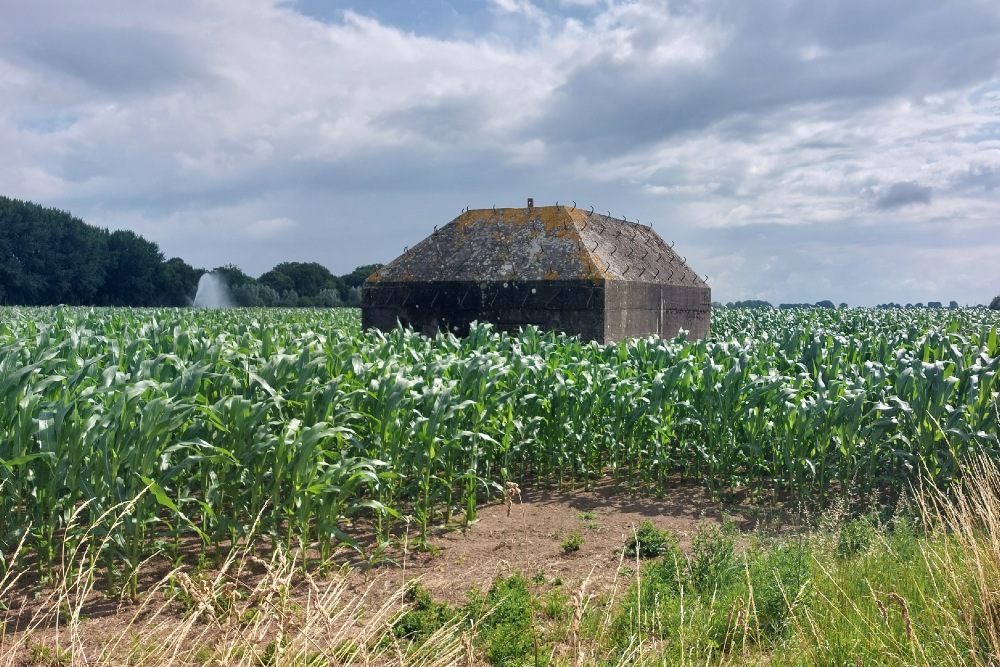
[48, 256]
[503, 618]
[358, 276]
[653, 601]
[713, 565]
[133, 273]
[995, 303]
[424, 617]
[794, 602]
[204, 418]
[750, 303]
[717, 597]
[572, 543]
[555, 605]
[648, 542]
[855, 536]
[779, 573]
[178, 282]
[305, 279]
[233, 275]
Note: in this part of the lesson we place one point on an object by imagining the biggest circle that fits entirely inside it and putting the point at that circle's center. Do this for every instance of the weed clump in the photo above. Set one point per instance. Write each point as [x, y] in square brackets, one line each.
[648, 542]
[572, 543]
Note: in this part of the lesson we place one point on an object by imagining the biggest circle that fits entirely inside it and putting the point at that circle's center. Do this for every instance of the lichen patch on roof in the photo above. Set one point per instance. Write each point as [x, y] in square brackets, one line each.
[539, 243]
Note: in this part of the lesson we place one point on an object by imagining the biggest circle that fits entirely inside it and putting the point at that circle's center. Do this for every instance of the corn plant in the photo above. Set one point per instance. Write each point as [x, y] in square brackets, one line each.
[212, 427]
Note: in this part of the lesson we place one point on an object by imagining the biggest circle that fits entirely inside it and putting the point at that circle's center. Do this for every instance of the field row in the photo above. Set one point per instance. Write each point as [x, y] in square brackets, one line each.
[151, 427]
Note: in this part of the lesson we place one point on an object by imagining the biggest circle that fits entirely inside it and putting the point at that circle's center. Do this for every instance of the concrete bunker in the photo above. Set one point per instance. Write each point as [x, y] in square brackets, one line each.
[557, 267]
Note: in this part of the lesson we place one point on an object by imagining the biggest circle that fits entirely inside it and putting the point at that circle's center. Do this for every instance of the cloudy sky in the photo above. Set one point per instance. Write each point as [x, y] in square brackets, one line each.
[793, 150]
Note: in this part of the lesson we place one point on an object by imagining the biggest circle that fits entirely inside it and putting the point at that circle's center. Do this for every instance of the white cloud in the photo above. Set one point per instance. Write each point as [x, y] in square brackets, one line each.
[211, 126]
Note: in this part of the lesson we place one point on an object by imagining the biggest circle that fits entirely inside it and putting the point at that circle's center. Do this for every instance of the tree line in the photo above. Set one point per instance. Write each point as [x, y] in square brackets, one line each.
[757, 303]
[296, 284]
[49, 257]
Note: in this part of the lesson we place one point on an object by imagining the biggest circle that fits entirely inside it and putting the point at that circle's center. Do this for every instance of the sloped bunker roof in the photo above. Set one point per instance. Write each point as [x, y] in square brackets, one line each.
[540, 243]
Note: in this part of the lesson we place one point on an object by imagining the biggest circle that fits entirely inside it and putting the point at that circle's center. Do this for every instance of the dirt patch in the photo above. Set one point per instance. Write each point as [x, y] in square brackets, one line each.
[533, 537]
[530, 537]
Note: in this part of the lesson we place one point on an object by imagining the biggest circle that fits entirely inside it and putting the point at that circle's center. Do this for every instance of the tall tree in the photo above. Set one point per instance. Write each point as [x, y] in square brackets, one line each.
[133, 272]
[178, 283]
[47, 256]
[307, 279]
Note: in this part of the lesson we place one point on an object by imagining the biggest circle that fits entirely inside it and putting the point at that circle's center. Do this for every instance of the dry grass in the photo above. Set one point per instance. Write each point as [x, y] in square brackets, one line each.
[969, 564]
[248, 612]
[254, 612]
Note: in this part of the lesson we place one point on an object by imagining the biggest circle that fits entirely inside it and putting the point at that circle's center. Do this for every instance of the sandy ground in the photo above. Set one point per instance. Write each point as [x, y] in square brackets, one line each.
[527, 537]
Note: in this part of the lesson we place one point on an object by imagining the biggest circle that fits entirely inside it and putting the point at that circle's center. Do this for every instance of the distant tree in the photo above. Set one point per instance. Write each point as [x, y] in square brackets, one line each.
[995, 303]
[355, 278]
[354, 297]
[328, 298]
[233, 275]
[953, 305]
[277, 280]
[934, 304]
[358, 276]
[133, 270]
[752, 303]
[842, 306]
[307, 279]
[79, 259]
[254, 295]
[47, 256]
[826, 303]
[718, 305]
[178, 283]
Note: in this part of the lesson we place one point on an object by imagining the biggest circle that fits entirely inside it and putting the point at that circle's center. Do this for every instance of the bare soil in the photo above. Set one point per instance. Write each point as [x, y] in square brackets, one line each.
[527, 537]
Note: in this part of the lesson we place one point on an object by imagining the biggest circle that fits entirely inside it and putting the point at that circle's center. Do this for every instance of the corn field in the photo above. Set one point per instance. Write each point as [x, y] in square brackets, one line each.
[132, 432]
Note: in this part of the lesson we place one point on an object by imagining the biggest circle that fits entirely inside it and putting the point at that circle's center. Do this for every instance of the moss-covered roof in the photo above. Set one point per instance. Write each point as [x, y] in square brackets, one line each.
[539, 243]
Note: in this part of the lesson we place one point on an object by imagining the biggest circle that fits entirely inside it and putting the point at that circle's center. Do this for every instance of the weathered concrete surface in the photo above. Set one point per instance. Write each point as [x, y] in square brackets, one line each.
[634, 309]
[556, 267]
[572, 306]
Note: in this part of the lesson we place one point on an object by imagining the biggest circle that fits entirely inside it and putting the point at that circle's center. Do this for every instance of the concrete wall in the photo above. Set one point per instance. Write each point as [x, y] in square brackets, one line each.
[636, 309]
[606, 312]
[576, 307]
